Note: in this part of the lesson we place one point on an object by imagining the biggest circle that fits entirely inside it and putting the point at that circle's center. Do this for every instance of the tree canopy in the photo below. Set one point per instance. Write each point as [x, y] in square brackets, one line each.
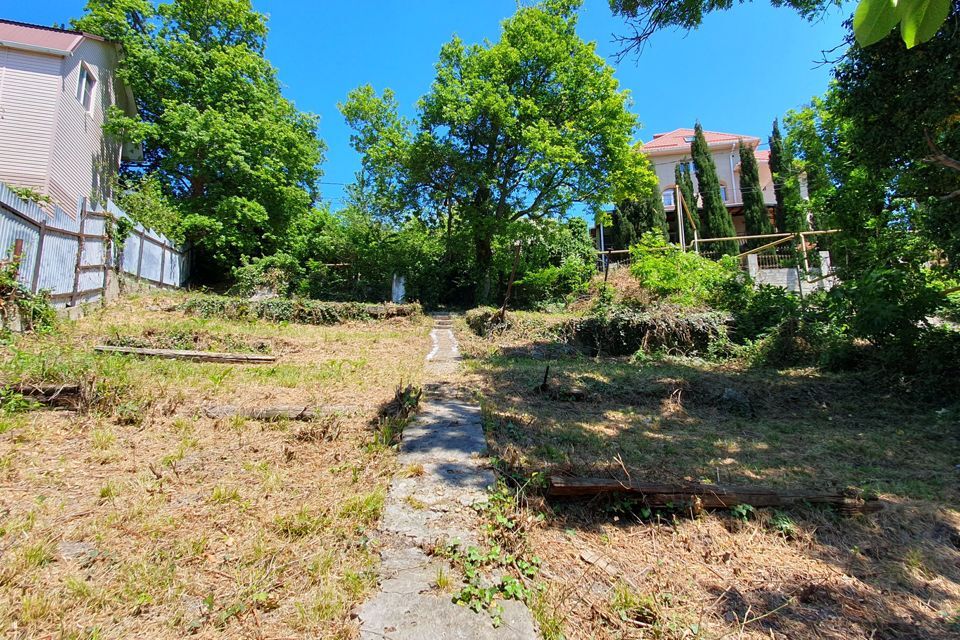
[886, 136]
[236, 159]
[919, 20]
[522, 128]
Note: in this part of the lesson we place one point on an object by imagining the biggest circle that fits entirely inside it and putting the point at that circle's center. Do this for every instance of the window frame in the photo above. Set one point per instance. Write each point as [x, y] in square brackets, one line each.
[86, 87]
[673, 197]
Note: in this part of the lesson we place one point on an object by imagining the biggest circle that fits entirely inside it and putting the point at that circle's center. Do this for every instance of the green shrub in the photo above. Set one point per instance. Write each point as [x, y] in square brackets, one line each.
[553, 284]
[33, 309]
[293, 310]
[758, 311]
[271, 273]
[684, 277]
[479, 320]
[622, 331]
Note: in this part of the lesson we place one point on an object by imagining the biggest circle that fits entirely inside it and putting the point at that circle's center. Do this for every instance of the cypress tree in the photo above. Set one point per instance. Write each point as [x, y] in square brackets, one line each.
[683, 179]
[790, 214]
[777, 171]
[755, 215]
[637, 217]
[717, 222]
[622, 232]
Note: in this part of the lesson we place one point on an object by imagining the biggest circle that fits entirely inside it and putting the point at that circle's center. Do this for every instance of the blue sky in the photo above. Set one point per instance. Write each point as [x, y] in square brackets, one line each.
[741, 69]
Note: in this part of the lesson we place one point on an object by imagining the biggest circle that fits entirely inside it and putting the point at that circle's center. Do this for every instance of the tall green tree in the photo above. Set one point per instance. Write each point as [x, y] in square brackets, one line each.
[691, 213]
[521, 128]
[621, 233]
[892, 191]
[633, 218]
[791, 214]
[238, 160]
[717, 222]
[755, 216]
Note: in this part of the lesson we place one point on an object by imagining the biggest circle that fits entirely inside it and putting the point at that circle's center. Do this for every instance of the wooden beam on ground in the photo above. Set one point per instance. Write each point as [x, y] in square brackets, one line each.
[281, 412]
[55, 394]
[197, 356]
[706, 496]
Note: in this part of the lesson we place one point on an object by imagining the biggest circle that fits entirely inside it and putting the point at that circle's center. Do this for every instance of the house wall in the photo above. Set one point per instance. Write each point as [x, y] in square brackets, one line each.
[29, 89]
[48, 141]
[729, 174]
[83, 161]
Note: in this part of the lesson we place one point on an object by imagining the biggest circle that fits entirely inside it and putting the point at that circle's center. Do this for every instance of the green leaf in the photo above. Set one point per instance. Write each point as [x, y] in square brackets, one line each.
[921, 19]
[873, 20]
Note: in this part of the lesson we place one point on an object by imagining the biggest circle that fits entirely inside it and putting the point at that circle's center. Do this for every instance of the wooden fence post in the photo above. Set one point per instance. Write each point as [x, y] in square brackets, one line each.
[76, 273]
[35, 281]
[18, 253]
[140, 255]
[163, 260]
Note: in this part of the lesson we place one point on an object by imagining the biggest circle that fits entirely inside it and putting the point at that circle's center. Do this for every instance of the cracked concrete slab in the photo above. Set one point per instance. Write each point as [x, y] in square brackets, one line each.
[436, 505]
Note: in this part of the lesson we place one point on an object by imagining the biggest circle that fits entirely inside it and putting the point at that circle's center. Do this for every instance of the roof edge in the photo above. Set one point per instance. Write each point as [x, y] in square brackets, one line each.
[54, 29]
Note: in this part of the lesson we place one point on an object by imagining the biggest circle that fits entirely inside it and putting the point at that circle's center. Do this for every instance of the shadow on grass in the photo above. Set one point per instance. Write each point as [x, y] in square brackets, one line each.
[684, 420]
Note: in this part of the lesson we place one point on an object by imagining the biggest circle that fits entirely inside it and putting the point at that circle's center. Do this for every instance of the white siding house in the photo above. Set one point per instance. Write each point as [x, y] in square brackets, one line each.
[55, 89]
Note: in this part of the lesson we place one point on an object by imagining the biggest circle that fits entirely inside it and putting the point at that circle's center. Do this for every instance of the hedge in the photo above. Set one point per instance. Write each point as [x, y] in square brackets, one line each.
[294, 310]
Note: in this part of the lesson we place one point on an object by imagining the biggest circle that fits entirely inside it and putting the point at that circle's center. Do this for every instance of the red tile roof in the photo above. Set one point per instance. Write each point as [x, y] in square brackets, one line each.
[678, 140]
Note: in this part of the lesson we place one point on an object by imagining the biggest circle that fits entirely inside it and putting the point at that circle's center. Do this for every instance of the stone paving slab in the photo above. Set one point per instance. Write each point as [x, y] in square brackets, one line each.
[447, 441]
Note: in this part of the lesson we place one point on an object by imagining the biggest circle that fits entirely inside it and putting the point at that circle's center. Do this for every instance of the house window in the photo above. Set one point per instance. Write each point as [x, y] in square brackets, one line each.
[668, 198]
[86, 87]
[689, 138]
[723, 192]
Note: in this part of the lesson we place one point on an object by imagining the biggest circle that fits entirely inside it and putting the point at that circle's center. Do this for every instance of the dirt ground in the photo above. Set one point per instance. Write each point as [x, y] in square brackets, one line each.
[617, 570]
[135, 515]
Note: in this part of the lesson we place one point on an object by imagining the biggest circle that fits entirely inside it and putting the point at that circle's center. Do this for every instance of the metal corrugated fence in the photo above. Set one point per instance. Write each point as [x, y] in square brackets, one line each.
[49, 240]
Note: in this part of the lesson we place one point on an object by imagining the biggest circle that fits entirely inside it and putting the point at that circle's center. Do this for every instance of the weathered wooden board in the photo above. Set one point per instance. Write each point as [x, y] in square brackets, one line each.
[706, 496]
[197, 356]
[280, 412]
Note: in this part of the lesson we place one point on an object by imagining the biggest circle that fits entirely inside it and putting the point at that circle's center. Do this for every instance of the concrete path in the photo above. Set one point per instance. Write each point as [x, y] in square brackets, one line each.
[446, 442]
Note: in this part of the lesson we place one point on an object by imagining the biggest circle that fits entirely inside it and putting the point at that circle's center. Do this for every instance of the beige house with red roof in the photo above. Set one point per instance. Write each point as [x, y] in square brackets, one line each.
[667, 150]
[56, 86]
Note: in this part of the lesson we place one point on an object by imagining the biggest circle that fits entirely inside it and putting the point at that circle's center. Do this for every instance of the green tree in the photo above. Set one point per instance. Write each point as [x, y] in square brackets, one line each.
[889, 189]
[521, 128]
[238, 160]
[684, 180]
[791, 214]
[637, 217]
[621, 232]
[755, 215]
[717, 222]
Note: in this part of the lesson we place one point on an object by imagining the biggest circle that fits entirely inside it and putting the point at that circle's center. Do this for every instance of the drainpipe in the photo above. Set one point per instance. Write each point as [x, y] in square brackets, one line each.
[733, 177]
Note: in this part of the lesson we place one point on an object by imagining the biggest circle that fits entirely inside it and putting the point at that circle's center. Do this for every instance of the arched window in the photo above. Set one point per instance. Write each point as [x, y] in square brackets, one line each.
[668, 197]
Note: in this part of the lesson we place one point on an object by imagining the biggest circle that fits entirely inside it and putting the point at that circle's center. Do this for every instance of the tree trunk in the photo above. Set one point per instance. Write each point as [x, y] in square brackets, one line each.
[483, 244]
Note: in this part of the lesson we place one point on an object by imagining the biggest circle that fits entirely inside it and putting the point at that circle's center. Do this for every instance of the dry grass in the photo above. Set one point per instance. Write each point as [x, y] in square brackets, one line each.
[804, 573]
[137, 516]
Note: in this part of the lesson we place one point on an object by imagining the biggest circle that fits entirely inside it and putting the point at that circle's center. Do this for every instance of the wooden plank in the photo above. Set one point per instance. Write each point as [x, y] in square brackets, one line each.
[280, 412]
[41, 235]
[198, 356]
[706, 496]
